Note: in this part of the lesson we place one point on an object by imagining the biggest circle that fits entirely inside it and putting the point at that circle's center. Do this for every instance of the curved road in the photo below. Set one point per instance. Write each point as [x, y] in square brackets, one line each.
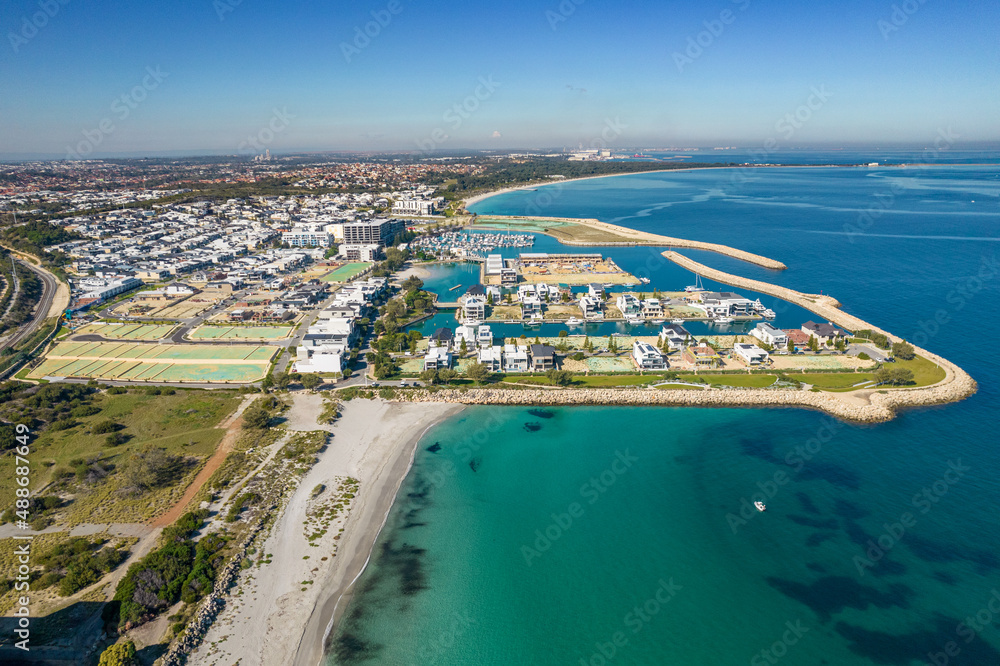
[49, 286]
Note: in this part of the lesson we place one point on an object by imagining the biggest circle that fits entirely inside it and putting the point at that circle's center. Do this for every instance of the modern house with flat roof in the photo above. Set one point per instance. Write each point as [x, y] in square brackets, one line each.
[543, 357]
[750, 354]
[647, 357]
[770, 335]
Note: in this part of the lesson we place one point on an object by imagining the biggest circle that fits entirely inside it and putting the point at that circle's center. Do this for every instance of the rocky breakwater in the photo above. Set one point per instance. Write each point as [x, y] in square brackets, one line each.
[618, 235]
[956, 385]
[850, 407]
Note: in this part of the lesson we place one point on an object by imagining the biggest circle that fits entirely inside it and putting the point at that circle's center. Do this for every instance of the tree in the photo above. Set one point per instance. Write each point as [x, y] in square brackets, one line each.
[894, 376]
[478, 372]
[463, 349]
[119, 654]
[813, 343]
[903, 350]
[446, 375]
[537, 340]
[841, 345]
[266, 383]
[429, 376]
[311, 380]
[489, 298]
[413, 283]
[282, 380]
[149, 469]
[790, 346]
[256, 418]
[560, 377]
[563, 334]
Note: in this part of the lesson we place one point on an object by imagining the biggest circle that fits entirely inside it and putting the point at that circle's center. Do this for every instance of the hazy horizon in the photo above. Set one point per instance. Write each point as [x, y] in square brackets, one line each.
[233, 77]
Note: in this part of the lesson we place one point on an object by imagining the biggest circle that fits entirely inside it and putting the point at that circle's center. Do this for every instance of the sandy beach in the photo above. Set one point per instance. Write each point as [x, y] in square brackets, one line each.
[273, 616]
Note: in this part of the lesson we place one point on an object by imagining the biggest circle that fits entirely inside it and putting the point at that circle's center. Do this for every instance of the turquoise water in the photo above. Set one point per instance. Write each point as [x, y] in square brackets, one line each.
[615, 535]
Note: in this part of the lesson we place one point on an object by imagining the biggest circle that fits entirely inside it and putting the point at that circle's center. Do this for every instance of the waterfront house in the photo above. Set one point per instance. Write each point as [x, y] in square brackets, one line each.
[596, 290]
[484, 336]
[443, 337]
[725, 304]
[629, 305]
[466, 334]
[702, 356]
[652, 308]
[770, 335]
[647, 357]
[591, 307]
[750, 354]
[543, 357]
[675, 335]
[825, 333]
[474, 309]
[508, 277]
[492, 357]
[531, 306]
[515, 358]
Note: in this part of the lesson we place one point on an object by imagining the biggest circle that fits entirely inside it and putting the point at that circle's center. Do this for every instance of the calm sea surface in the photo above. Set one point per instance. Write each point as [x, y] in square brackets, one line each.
[622, 535]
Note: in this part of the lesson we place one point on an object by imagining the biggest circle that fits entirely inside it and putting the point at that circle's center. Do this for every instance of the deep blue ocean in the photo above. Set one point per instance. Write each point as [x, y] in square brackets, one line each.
[624, 536]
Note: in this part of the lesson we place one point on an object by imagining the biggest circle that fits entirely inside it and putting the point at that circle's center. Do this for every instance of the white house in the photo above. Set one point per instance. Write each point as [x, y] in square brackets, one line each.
[770, 335]
[531, 305]
[725, 303]
[492, 357]
[647, 357]
[321, 362]
[515, 359]
[474, 309]
[437, 358]
[484, 336]
[629, 305]
[466, 334]
[591, 307]
[652, 308]
[751, 354]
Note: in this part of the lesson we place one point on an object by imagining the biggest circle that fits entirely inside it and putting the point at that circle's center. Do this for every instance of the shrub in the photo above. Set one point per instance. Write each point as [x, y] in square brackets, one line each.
[104, 427]
[119, 654]
[115, 439]
[85, 410]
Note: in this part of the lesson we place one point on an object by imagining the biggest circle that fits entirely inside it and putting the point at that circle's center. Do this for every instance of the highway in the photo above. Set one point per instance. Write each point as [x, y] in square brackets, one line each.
[49, 286]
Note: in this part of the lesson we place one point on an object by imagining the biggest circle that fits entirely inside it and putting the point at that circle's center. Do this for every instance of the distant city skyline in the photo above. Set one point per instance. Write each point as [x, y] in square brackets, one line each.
[240, 77]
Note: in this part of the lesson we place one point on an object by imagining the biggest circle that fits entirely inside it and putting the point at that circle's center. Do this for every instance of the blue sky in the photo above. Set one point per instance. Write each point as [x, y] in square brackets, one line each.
[235, 74]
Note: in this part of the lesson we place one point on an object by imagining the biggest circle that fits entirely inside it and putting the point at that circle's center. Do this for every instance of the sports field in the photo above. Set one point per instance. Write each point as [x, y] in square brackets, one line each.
[346, 272]
[126, 331]
[241, 332]
[161, 363]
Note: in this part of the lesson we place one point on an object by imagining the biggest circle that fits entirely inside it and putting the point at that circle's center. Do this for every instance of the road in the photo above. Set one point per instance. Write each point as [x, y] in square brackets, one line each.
[49, 286]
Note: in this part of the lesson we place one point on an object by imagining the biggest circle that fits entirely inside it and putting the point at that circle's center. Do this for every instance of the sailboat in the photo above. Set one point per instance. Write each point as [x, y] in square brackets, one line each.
[697, 286]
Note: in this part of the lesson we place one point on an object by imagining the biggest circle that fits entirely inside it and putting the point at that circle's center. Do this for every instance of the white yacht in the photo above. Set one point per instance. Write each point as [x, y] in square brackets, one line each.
[573, 321]
[760, 506]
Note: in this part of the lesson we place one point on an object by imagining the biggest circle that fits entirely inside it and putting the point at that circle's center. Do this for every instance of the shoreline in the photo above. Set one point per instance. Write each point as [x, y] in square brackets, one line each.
[334, 601]
[283, 609]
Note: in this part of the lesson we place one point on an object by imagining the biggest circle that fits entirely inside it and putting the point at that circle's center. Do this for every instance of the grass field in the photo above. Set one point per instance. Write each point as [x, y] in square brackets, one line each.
[163, 363]
[126, 331]
[182, 424]
[346, 272]
[241, 332]
[739, 381]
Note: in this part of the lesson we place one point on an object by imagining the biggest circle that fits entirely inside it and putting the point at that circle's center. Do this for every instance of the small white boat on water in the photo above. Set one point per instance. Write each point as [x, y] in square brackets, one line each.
[656, 321]
[697, 286]
[676, 321]
[573, 321]
[723, 320]
[768, 314]
[760, 506]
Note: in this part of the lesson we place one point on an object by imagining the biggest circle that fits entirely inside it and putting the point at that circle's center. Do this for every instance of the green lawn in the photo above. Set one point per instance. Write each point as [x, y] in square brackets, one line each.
[925, 372]
[740, 381]
[831, 380]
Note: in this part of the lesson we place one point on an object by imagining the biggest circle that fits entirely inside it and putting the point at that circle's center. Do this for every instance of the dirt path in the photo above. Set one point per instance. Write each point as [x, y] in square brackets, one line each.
[232, 424]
